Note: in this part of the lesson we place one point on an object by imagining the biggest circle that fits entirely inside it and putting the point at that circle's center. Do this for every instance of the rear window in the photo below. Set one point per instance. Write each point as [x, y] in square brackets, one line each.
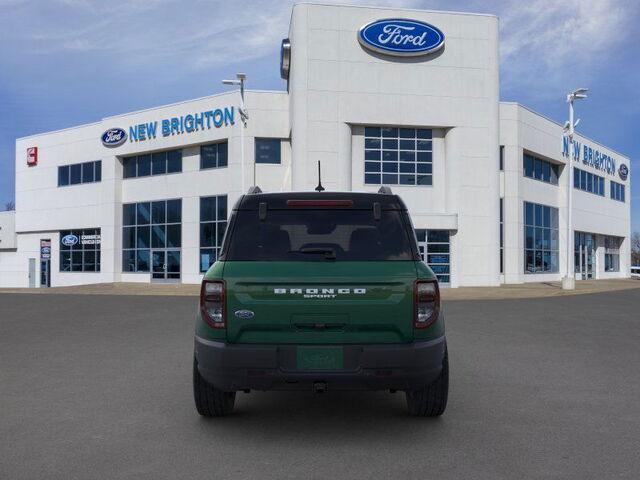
[319, 235]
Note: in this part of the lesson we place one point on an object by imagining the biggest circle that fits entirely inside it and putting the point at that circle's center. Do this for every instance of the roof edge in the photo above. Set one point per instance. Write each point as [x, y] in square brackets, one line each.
[404, 9]
[181, 102]
[531, 110]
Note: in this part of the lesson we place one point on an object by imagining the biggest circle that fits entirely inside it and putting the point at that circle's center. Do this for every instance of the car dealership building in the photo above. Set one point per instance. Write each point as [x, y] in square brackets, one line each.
[403, 98]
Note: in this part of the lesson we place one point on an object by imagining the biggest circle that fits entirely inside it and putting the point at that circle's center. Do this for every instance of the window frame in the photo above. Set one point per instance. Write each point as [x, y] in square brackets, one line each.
[397, 155]
[149, 158]
[617, 191]
[541, 233]
[150, 229]
[80, 249]
[224, 142]
[217, 222]
[588, 182]
[96, 168]
[532, 164]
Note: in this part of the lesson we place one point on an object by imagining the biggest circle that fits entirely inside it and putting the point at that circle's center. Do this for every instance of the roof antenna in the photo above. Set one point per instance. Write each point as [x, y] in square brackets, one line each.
[319, 188]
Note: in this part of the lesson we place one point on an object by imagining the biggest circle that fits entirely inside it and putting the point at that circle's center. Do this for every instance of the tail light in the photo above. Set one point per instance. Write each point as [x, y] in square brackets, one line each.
[212, 299]
[426, 303]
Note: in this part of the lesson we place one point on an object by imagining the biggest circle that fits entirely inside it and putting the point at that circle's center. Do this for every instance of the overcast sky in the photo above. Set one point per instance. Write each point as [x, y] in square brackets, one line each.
[67, 62]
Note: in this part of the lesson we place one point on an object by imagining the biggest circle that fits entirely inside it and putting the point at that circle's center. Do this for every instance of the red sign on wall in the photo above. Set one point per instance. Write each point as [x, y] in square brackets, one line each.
[32, 156]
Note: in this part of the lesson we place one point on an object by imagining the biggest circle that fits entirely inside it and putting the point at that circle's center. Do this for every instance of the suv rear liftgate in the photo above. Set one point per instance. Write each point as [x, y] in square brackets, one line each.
[320, 290]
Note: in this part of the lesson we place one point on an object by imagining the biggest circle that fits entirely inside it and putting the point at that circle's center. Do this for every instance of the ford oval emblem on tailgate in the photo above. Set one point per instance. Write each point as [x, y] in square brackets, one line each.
[244, 314]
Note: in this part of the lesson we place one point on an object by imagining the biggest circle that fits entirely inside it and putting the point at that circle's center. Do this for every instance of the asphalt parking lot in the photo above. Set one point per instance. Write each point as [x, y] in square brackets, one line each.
[98, 386]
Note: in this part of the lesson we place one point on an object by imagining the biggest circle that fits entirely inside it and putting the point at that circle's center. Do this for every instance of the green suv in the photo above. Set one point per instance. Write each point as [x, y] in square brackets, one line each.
[318, 291]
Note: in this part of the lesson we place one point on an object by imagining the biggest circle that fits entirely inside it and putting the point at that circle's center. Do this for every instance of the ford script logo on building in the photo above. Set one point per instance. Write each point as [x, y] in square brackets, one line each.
[114, 137]
[401, 37]
[69, 240]
[244, 314]
[623, 171]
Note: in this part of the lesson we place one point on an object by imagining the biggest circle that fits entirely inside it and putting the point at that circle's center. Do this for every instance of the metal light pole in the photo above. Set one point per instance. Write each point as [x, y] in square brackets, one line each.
[569, 281]
[244, 116]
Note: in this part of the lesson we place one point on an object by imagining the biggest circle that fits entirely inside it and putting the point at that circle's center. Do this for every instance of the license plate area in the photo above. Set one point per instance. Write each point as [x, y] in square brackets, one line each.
[319, 358]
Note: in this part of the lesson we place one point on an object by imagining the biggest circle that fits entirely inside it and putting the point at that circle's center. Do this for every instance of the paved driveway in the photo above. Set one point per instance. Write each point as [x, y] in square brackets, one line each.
[100, 387]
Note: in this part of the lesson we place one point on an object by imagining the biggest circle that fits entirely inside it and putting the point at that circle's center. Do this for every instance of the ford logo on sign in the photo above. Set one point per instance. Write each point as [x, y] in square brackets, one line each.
[244, 314]
[623, 171]
[69, 240]
[401, 37]
[114, 137]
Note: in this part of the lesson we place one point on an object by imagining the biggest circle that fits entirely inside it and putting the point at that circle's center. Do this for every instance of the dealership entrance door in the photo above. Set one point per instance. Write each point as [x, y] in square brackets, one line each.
[165, 265]
[585, 254]
[434, 248]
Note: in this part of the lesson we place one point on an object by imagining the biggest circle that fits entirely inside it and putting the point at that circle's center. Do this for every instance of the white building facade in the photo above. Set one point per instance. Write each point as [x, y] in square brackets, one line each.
[145, 196]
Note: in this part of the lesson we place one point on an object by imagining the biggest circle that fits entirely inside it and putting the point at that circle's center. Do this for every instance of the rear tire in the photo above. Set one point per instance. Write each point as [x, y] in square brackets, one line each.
[431, 401]
[210, 402]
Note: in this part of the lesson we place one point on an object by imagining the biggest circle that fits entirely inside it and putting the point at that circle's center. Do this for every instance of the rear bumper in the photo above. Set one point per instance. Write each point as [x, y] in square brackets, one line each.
[232, 367]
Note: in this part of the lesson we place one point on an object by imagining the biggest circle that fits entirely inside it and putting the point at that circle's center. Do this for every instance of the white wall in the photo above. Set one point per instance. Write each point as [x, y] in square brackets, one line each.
[7, 230]
[43, 208]
[522, 130]
[337, 87]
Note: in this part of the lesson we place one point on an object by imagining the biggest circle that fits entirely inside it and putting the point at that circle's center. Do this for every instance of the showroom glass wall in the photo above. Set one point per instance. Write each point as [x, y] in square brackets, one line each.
[80, 250]
[541, 239]
[152, 239]
[435, 250]
[213, 223]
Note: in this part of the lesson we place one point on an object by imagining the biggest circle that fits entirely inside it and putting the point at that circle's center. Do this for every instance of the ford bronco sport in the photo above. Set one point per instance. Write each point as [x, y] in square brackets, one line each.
[320, 291]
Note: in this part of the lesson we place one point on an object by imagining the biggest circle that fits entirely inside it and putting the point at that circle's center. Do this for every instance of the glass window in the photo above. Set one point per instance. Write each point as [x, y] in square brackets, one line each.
[213, 155]
[268, 150]
[87, 172]
[539, 169]
[80, 250]
[129, 166]
[174, 211]
[541, 244]
[406, 155]
[617, 191]
[158, 163]
[63, 176]
[147, 226]
[434, 249]
[158, 212]
[588, 182]
[76, 174]
[311, 235]
[174, 235]
[144, 213]
[213, 223]
[144, 165]
[174, 161]
[612, 253]
[129, 214]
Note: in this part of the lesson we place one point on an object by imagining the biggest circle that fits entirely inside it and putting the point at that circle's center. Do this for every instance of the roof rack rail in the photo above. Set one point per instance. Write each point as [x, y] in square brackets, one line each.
[253, 190]
[385, 190]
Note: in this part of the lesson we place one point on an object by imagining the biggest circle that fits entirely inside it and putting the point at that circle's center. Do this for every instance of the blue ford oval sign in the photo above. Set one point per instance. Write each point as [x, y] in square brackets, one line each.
[623, 171]
[244, 314]
[69, 240]
[114, 137]
[401, 37]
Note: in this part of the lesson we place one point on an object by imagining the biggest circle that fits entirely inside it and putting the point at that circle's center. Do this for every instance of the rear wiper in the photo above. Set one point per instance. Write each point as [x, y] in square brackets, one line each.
[329, 253]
